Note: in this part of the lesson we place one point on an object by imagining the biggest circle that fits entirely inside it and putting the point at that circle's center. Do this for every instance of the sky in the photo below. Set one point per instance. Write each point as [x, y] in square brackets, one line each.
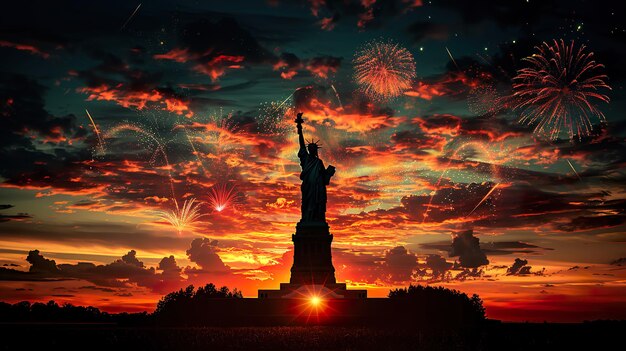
[118, 114]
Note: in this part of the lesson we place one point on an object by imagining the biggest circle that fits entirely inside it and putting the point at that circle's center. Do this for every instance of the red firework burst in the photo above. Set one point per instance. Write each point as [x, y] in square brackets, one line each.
[559, 90]
[222, 196]
[384, 70]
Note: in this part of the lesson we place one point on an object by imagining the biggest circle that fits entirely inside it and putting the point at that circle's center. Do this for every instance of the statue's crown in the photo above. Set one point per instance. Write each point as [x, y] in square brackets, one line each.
[314, 144]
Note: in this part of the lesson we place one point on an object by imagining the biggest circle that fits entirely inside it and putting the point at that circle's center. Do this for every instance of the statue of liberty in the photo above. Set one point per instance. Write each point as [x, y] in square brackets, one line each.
[314, 178]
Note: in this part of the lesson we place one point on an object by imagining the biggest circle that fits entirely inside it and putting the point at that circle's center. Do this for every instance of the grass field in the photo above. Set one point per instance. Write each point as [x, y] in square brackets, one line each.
[493, 337]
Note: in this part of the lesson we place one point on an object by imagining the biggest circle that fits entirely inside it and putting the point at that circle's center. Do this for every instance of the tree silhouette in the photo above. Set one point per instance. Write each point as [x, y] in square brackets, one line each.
[187, 306]
[439, 303]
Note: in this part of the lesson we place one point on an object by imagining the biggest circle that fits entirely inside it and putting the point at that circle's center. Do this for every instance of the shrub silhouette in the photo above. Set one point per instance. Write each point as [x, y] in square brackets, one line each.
[187, 306]
[51, 312]
[439, 304]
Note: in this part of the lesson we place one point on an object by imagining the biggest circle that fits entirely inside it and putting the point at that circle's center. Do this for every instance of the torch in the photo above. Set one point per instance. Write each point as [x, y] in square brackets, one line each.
[299, 121]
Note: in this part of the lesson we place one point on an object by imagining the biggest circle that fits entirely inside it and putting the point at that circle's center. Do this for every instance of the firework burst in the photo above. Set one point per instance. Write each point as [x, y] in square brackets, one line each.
[384, 70]
[222, 196]
[274, 118]
[484, 99]
[150, 140]
[221, 133]
[559, 90]
[185, 217]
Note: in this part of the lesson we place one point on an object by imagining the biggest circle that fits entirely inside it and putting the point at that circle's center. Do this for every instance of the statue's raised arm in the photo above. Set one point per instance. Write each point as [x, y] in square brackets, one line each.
[299, 122]
[314, 178]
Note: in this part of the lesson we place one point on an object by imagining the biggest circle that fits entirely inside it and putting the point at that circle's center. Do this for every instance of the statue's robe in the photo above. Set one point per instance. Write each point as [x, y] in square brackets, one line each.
[314, 180]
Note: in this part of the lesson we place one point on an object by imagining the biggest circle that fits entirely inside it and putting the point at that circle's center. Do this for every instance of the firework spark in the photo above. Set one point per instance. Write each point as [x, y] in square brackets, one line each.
[185, 217]
[337, 95]
[95, 129]
[484, 99]
[559, 90]
[452, 58]
[573, 169]
[275, 119]
[458, 155]
[384, 70]
[131, 17]
[150, 140]
[483, 199]
[222, 196]
[195, 151]
[222, 134]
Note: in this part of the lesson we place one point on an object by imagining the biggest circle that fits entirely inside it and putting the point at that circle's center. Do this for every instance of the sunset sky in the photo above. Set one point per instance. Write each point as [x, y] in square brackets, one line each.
[440, 185]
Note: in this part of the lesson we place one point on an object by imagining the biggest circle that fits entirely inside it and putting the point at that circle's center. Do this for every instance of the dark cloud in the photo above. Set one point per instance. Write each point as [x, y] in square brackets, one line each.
[25, 116]
[131, 258]
[288, 64]
[506, 15]
[421, 31]
[438, 265]
[125, 272]
[210, 37]
[467, 247]
[323, 66]
[130, 86]
[203, 253]
[510, 247]
[40, 264]
[216, 45]
[491, 248]
[619, 262]
[37, 148]
[15, 217]
[97, 288]
[519, 204]
[520, 267]
[583, 223]
[398, 264]
[363, 14]
[447, 202]
[96, 233]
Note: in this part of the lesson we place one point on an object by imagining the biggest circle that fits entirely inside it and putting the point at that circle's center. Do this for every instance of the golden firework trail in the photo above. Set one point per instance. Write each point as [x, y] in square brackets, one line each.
[452, 58]
[483, 199]
[182, 218]
[337, 95]
[95, 128]
[573, 169]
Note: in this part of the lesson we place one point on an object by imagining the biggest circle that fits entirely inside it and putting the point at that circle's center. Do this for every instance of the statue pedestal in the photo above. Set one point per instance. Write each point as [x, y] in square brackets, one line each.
[312, 273]
[312, 259]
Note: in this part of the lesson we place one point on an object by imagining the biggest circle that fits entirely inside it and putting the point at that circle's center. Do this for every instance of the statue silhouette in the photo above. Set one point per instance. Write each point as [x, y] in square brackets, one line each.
[314, 178]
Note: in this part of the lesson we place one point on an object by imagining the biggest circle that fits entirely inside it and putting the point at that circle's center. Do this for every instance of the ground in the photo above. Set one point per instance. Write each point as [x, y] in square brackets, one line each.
[495, 336]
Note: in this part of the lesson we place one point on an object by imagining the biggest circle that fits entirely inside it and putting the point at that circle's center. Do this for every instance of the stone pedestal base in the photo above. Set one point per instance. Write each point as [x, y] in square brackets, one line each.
[303, 291]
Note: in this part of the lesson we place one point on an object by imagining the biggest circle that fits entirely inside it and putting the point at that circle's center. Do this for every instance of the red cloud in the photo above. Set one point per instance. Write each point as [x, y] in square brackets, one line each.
[136, 99]
[327, 23]
[217, 66]
[178, 55]
[451, 84]
[24, 47]
[425, 91]
[214, 68]
[323, 66]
